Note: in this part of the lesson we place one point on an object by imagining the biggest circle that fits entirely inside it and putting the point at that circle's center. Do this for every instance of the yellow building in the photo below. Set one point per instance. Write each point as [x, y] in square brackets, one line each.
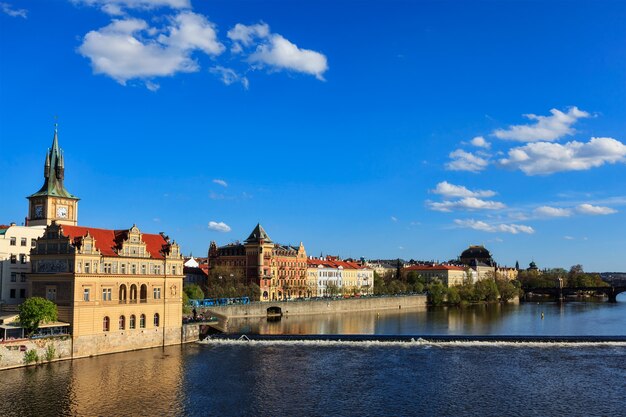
[449, 275]
[118, 289]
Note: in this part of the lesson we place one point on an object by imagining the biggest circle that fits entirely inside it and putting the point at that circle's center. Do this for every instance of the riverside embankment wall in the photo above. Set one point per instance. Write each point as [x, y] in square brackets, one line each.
[13, 354]
[321, 306]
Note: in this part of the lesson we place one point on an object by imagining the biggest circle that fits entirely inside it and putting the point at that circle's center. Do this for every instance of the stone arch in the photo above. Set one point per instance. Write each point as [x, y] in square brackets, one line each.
[122, 294]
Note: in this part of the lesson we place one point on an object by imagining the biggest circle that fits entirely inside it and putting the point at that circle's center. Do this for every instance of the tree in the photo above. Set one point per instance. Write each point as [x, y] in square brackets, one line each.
[436, 292]
[507, 289]
[36, 310]
[453, 296]
[193, 291]
[332, 289]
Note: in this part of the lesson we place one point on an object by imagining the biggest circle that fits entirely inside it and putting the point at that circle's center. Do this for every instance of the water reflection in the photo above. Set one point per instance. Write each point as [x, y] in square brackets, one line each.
[147, 382]
[600, 318]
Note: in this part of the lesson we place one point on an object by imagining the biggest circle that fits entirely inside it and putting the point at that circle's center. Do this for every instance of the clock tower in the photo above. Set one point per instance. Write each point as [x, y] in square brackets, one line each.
[53, 202]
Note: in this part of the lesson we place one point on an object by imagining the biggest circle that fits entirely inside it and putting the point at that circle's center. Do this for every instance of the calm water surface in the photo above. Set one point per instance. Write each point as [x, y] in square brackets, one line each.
[352, 379]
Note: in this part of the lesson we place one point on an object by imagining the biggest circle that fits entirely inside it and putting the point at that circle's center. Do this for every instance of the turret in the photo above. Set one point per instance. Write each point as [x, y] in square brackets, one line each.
[46, 168]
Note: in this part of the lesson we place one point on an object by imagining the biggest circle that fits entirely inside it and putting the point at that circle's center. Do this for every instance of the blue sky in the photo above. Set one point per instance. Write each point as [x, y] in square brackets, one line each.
[375, 129]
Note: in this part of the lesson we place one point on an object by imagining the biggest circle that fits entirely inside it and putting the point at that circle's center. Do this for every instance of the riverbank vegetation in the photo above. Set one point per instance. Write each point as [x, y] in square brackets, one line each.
[487, 290]
[576, 277]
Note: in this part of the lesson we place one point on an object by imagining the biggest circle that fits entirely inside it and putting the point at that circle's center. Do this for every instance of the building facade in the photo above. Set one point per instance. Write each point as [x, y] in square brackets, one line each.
[449, 275]
[118, 289]
[15, 245]
[279, 270]
[331, 276]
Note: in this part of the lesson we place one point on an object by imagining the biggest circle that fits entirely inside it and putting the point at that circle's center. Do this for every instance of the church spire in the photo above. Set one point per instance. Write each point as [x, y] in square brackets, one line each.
[54, 171]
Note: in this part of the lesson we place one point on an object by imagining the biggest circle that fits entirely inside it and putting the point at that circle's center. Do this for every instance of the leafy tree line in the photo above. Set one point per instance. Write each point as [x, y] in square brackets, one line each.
[576, 277]
[487, 290]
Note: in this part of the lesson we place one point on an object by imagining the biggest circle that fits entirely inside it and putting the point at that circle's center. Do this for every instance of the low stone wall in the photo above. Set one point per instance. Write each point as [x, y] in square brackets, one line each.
[13, 354]
[321, 306]
[190, 333]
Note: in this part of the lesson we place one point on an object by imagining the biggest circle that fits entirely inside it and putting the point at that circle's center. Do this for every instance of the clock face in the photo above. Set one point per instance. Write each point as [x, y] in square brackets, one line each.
[62, 212]
[38, 212]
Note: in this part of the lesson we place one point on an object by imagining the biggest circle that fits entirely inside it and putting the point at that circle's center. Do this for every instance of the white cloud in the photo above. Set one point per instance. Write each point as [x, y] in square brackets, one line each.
[191, 31]
[394, 219]
[276, 52]
[127, 48]
[594, 210]
[547, 211]
[568, 238]
[450, 190]
[229, 76]
[547, 158]
[8, 9]
[245, 35]
[220, 182]
[116, 7]
[219, 227]
[466, 161]
[493, 228]
[480, 142]
[467, 203]
[280, 53]
[546, 128]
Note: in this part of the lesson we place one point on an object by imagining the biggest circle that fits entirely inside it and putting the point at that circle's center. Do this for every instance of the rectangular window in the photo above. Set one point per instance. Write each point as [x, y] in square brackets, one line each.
[23, 241]
[133, 269]
[12, 292]
[87, 267]
[143, 269]
[123, 271]
[114, 268]
[22, 258]
[33, 243]
[173, 269]
[23, 277]
[106, 294]
[13, 276]
[86, 294]
[13, 243]
[13, 258]
[22, 293]
[107, 267]
[157, 293]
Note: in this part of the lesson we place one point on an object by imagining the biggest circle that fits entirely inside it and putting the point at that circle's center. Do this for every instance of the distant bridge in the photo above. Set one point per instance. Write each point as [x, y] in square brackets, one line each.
[561, 292]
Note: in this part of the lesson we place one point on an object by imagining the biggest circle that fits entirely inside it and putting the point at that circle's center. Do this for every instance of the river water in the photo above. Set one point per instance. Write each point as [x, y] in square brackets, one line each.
[350, 378]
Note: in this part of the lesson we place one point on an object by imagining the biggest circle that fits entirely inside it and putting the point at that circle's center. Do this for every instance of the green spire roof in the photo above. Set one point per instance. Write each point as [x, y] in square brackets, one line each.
[257, 234]
[54, 172]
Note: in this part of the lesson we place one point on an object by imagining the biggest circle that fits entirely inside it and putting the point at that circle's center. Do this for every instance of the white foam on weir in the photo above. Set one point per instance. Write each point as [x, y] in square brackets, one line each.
[410, 343]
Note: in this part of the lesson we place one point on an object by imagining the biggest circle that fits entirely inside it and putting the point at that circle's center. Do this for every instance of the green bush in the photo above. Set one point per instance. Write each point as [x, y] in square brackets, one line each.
[31, 356]
[50, 352]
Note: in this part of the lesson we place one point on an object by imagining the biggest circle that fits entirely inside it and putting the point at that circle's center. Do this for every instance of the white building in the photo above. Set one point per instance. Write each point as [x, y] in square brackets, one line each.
[15, 245]
[331, 276]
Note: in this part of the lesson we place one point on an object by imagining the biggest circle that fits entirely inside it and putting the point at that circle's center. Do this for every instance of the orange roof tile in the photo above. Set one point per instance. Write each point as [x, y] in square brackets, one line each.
[108, 241]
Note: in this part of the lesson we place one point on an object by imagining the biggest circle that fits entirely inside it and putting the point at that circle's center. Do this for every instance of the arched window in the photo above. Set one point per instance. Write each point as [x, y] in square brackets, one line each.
[122, 322]
[106, 324]
[265, 295]
[143, 293]
[156, 319]
[131, 322]
[142, 321]
[133, 293]
[122, 293]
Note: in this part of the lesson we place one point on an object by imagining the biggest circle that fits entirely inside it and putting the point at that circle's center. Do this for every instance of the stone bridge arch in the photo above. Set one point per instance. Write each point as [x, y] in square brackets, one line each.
[274, 311]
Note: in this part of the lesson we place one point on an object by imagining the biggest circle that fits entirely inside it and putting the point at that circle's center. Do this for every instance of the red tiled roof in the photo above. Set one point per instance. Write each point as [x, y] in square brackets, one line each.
[107, 241]
[333, 263]
[434, 268]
